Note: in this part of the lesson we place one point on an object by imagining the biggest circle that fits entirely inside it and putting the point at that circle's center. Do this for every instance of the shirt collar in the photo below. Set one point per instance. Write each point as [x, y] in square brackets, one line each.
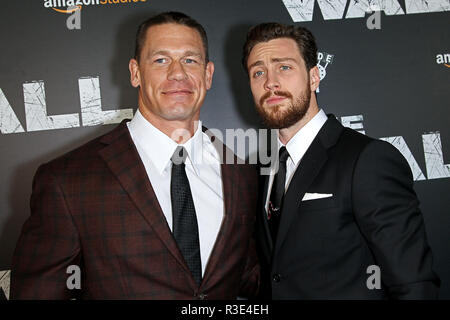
[194, 147]
[159, 147]
[300, 142]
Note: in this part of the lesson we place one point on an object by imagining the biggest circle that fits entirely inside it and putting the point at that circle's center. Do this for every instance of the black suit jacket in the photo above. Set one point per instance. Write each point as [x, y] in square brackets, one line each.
[324, 246]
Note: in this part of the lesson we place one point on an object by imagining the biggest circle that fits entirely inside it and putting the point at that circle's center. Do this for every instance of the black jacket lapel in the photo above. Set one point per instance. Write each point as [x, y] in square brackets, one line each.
[264, 231]
[309, 167]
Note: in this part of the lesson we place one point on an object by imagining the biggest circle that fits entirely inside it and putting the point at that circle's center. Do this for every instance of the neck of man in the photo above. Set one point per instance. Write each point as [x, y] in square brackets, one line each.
[179, 131]
[286, 134]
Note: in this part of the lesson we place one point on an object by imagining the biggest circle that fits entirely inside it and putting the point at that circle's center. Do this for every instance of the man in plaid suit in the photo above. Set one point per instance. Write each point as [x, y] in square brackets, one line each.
[106, 207]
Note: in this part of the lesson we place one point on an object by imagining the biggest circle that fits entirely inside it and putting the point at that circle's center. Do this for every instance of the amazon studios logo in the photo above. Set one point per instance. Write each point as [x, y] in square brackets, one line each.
[72, 3]
[443, 58]
[74, 8]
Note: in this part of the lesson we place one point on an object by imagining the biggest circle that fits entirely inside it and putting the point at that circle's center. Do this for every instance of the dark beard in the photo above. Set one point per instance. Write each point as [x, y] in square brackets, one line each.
[276, 119]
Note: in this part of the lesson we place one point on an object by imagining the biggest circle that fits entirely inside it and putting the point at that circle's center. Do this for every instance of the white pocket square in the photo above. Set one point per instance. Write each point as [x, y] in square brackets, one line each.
[313, 196]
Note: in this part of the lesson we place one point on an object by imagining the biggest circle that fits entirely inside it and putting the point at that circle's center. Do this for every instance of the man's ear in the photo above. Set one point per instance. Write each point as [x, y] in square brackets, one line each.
[209, 74]
[135, 77]
[314, 78]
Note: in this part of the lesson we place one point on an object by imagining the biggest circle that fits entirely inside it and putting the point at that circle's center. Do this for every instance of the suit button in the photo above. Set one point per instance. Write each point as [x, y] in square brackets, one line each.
[276, 277]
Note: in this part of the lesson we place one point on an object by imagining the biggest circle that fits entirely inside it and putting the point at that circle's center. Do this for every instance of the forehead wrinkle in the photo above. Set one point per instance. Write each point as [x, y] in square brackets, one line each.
[283, 49]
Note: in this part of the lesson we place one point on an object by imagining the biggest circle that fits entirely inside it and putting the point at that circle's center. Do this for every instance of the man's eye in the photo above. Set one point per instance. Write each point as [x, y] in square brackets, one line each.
[161, 60]
[188, 60]
[258, 74]
[285, 68]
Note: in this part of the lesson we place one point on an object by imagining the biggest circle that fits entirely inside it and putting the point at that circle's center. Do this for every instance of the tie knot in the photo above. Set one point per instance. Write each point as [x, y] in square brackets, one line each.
[179, 156]
[283, 154]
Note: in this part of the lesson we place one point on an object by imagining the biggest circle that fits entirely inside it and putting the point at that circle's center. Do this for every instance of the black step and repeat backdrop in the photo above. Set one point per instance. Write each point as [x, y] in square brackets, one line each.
[385, 69]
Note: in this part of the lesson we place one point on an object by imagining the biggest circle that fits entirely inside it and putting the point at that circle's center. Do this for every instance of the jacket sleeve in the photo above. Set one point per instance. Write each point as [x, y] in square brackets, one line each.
[250, 279]
[387, 212]
[47, 246]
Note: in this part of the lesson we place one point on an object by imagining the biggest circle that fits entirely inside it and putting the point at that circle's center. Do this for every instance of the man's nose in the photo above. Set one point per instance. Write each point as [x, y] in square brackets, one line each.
[272, 82]
[176, 71]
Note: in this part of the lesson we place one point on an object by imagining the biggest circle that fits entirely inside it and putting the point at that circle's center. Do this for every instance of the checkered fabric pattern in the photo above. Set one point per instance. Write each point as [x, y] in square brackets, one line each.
[95, 208]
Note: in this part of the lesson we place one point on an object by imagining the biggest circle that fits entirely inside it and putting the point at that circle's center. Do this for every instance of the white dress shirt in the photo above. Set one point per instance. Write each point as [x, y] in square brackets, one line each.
[297, 147]
[202, 169]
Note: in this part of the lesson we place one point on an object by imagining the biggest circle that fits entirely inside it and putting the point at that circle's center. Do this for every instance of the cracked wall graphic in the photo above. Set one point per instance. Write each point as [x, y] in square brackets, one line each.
[36, 110]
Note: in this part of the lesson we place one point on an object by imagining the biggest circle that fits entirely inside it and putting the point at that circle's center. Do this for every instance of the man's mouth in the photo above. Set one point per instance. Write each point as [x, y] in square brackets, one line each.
[177, 92]
[275, 100]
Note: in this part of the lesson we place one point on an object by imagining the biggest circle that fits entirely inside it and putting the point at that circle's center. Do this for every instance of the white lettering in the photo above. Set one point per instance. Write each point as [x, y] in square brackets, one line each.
[354, 122]
[47, 3]
[193, 310]
[400, 143]
[443, 58]
[374, 281]
[36, 110]
[240, 136]
[8, 119]
[434, 158]
[302, 10]
[422, 6]
[374, 21]
[358, 9]
[91, 105]
[74, 20]
[266, 157]
[73, 281]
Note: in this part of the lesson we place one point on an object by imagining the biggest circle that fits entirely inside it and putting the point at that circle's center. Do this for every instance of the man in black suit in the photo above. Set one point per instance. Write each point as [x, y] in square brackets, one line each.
[341, 219]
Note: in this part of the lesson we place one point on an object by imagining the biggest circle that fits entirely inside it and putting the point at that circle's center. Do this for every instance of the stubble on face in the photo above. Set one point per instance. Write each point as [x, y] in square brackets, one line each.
[284, 115]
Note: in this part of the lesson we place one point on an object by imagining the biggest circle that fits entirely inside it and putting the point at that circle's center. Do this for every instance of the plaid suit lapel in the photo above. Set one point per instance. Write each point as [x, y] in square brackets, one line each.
[123, 160]
[229, 177]
[229, 193]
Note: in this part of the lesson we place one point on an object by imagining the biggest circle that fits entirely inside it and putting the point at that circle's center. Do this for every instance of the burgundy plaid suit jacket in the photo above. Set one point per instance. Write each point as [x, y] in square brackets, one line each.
[95, 208]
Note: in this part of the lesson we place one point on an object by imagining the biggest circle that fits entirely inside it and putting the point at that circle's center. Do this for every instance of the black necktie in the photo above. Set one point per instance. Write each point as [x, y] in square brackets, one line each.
[185, 229]
[277, 194]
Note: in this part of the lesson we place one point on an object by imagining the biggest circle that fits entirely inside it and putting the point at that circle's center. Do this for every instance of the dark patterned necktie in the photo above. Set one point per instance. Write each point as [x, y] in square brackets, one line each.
[185, 228]
[277, 194]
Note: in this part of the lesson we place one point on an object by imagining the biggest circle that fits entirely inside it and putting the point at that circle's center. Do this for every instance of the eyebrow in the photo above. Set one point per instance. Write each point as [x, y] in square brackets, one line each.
[186, 53]
[259, 62]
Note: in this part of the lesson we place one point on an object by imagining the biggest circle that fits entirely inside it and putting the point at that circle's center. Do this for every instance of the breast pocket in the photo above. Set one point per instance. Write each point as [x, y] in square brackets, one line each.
[318, 204]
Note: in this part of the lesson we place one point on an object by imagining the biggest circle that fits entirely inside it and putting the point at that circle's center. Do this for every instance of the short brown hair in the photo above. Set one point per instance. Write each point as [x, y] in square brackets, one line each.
[268, 31]
[169, 17]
